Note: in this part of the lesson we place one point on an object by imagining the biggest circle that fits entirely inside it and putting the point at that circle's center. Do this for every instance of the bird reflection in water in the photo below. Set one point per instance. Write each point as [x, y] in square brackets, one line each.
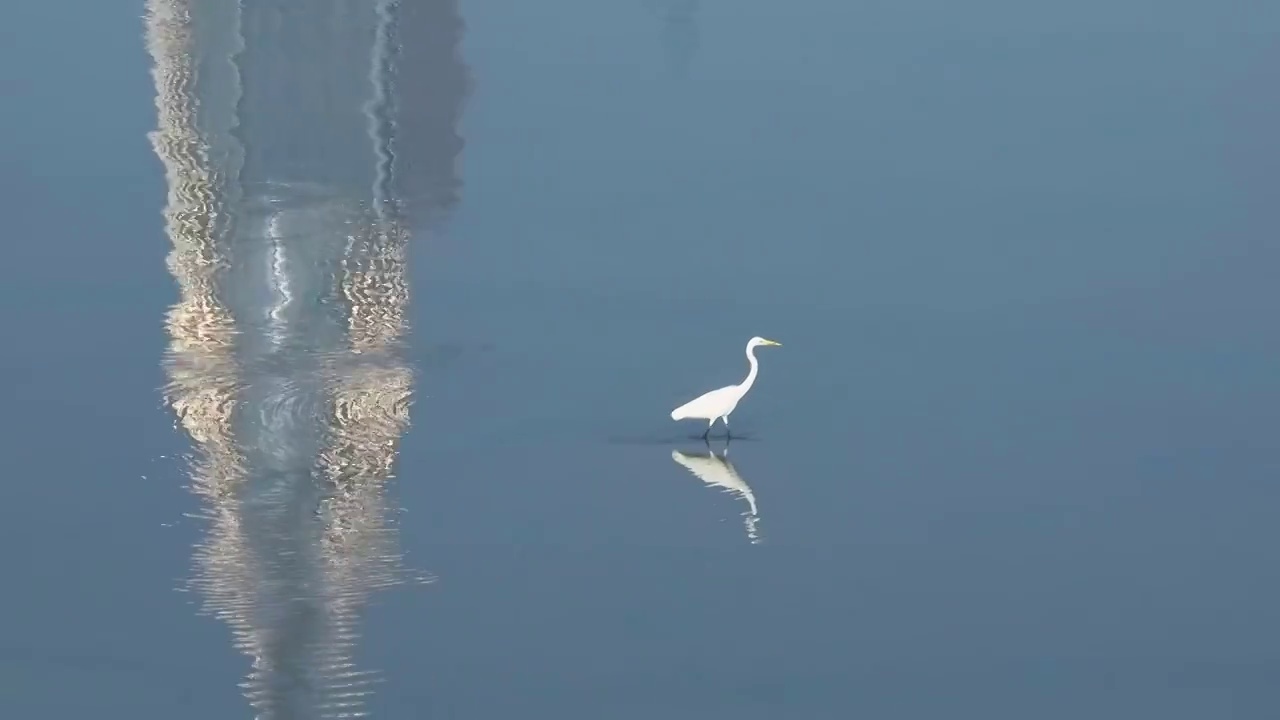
[285, 363]
[716, 470]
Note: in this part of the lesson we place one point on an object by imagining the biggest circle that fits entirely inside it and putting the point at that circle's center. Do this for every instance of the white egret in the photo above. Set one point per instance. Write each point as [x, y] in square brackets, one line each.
[717, 404]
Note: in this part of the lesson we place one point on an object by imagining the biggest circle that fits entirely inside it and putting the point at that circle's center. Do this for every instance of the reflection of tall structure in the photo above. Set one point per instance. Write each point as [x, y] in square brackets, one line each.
[298, 150]
[716, 470]
[680, 35]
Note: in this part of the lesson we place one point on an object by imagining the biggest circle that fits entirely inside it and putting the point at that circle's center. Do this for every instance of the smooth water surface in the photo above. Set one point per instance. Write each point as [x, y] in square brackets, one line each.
[342, 338]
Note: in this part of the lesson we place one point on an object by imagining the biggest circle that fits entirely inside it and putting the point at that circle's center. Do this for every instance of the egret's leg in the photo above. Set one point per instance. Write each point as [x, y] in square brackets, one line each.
[726, 426]
[709, 426]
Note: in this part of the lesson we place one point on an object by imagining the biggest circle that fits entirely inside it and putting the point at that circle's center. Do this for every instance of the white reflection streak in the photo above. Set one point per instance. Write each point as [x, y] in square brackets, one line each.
[717, 471]
[279, 275]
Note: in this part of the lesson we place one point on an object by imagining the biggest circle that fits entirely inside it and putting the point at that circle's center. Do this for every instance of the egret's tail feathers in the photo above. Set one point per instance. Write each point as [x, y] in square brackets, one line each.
[681, 412]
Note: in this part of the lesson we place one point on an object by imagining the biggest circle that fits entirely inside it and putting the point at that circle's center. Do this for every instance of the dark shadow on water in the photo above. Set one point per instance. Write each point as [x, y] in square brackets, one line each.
[673, 439]
[679, 33]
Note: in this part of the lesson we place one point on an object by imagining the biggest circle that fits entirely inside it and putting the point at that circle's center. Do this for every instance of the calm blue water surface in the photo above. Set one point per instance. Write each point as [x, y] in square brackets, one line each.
[341, 339]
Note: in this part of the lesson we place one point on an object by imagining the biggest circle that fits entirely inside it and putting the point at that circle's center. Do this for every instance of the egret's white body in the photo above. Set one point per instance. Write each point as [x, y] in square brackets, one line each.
[718, 404]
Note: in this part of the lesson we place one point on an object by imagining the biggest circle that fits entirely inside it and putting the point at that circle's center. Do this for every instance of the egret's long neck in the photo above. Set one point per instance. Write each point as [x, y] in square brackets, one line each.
[751, 374]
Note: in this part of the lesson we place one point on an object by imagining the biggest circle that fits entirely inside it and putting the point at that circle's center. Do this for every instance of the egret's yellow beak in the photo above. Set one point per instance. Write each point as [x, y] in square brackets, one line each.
[770, 342]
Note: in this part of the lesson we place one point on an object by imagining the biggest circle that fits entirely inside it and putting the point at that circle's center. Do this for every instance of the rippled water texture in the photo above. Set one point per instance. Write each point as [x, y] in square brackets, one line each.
[341, 337]
[286, 356]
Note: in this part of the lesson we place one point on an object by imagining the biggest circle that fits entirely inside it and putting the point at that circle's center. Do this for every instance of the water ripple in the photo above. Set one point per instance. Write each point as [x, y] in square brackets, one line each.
[286, 360]
[294, 469]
